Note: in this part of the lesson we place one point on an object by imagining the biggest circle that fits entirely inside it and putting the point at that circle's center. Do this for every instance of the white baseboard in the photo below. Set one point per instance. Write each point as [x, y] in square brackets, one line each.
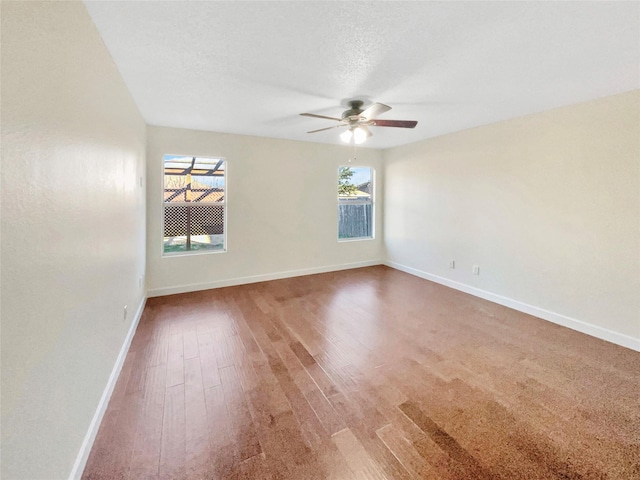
[595, 331]
[87, 443]
[230, 282]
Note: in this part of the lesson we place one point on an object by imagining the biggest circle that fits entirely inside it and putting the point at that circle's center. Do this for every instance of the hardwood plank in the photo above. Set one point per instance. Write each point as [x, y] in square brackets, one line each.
[158, 348]
[173, 450]
[255, 467]
[190, 344]
[208, 363]
[175, 361]
[360, 463]
[445, 441]
[242, 429]
[222, 348]
[356, 417]
[147, 446]
[329, 418]
[122, 385]
[403, 449]
[222, 457]
[196, 431]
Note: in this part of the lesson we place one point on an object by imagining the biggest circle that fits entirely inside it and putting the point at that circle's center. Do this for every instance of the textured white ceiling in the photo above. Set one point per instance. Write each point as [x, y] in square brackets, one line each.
[252, 67]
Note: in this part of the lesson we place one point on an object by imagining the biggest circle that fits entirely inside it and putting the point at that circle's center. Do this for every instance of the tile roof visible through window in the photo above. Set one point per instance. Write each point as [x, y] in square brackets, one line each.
[214, 195]
[198, 192]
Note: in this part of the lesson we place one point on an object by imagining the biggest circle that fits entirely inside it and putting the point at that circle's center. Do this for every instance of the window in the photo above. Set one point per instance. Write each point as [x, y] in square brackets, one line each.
[355, 202]
[194, 204]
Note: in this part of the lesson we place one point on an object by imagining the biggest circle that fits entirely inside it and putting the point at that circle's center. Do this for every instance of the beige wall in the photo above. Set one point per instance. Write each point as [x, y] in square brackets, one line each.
[282, 213]
[73, 215]
[547, 205]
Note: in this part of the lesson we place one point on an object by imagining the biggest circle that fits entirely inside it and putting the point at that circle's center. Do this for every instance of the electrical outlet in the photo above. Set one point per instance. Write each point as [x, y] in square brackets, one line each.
[140, 281]
[125, 312]
[452, 264]
[476, 270]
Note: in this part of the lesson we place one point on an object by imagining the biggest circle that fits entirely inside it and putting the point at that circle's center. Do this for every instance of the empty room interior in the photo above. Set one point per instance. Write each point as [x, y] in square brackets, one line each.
[320, 240]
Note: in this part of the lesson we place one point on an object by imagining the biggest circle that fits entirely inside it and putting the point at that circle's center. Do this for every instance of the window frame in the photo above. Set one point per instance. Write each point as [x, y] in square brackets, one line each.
[224, 204]
[358, 202]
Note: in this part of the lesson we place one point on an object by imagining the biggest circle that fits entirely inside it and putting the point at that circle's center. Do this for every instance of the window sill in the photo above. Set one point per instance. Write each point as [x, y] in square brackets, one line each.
[358, 239]
[191, 254]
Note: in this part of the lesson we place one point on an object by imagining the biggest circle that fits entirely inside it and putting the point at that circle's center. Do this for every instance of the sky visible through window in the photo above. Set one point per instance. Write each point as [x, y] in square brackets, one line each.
[360, 175]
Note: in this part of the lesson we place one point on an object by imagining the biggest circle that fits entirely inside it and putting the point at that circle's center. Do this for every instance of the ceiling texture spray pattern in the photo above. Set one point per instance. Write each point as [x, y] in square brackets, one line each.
[251, 67]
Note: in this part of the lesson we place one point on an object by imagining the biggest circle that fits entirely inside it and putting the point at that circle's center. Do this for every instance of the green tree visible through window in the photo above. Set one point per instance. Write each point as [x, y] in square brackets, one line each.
[345, 187]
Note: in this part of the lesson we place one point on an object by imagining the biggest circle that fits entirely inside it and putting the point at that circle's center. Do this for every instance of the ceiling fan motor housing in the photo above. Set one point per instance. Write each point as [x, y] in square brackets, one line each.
[356, 109]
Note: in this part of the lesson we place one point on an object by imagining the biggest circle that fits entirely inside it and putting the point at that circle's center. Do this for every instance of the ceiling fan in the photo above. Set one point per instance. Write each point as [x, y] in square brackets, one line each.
[358, 121]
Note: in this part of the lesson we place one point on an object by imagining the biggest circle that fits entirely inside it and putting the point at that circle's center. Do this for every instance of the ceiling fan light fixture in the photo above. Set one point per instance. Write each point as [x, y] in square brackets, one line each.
[346, 136]
[359, 135]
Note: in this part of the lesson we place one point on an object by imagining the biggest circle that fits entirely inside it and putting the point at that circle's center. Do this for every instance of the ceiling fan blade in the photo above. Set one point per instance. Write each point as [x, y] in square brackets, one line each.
[313, 115]
[374, 110]
[326, 128]
[395, 123]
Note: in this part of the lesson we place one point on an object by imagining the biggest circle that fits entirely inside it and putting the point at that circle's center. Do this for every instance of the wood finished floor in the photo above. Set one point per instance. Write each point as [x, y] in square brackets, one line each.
[365, 374]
